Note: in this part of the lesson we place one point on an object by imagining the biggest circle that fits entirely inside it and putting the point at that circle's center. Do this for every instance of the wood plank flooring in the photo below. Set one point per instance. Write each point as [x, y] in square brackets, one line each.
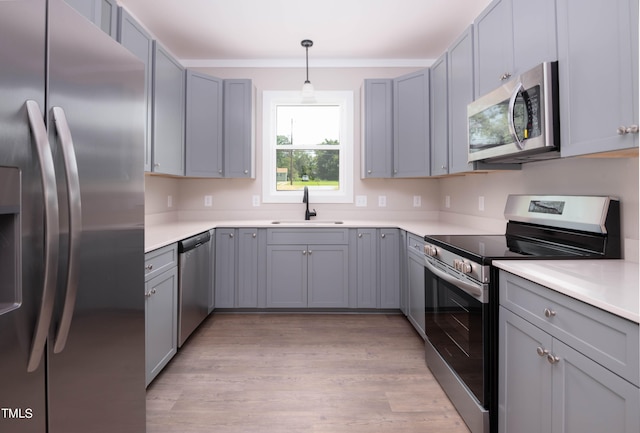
[300, 373]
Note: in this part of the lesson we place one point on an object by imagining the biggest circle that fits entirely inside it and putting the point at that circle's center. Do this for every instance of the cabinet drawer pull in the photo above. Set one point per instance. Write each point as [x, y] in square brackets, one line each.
[623, 130]
[505, 76]
[541, 351]
[149, 267]
[552, 359]
[549, 313]
[254, 235]
[230, 235]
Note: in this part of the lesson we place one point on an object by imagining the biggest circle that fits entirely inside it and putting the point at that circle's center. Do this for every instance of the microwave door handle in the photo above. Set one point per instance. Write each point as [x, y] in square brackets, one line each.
[512, 106]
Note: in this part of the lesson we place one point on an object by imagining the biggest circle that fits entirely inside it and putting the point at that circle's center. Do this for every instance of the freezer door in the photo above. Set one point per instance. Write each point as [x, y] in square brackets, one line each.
[96, 114]
[22, 78]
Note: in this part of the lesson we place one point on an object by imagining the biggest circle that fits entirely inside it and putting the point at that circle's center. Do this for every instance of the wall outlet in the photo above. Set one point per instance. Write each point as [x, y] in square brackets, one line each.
[255, 200]
[208, 201]
[417, 201]
[169, 201]
[382, 201]
[361, 200]
[447, 201]
[481, 203]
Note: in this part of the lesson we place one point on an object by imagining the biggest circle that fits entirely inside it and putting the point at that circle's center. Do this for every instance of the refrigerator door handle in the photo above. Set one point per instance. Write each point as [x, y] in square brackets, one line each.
[51, 233]
[75, 225]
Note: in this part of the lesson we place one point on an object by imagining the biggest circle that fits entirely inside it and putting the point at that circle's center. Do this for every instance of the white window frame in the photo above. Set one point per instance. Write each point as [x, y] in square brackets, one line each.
[270, 101]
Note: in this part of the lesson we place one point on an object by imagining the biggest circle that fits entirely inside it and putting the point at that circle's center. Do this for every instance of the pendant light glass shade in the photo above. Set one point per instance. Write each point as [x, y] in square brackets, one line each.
[307, 88]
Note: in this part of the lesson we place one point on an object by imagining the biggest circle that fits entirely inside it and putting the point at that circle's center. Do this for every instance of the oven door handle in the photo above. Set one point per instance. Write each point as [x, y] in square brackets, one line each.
[470, 289]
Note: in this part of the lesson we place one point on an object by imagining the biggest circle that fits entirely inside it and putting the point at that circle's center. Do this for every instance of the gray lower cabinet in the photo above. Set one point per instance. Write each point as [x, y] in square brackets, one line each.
[203, 126]
[368, 286]
[389, 267]
[411, 125]
[247, 274]
[161, 309]
[415, 272]
[168, 113]
[136, 39]
[307, 268]
[103, 13]
[301, 276]
[377, 160]
[565, 366]
[378, 268]
[598, 75]
[225, 268]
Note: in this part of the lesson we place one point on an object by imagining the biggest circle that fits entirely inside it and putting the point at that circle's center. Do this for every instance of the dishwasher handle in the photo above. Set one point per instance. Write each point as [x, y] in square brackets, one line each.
[193, 242]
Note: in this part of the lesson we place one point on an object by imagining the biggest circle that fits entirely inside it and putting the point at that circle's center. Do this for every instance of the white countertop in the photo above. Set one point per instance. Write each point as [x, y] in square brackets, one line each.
[611, 285]
[162, 234]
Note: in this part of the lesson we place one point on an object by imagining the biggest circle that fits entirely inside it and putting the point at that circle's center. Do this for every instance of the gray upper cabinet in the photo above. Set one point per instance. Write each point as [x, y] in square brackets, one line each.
[203, 126]
[168, 113]
[512, 36]
[494, 53]
[598, 67]
[439, 117]
[103, 13]
[137, 40]
[378, 128]
[460, 86]
[238, 128]
[411, 125]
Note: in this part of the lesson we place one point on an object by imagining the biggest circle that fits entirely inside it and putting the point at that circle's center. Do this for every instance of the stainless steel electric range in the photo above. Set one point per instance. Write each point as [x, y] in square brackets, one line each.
[461, 288]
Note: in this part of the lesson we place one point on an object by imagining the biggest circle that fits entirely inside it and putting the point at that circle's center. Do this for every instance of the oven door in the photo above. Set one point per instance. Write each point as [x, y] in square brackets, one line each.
[457, 326]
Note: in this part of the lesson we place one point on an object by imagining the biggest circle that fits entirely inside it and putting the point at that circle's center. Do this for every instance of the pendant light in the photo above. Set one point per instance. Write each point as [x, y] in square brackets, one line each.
[307, 87]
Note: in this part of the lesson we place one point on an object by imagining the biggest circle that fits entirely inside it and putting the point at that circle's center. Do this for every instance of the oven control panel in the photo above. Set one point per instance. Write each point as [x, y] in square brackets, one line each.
[456, 263]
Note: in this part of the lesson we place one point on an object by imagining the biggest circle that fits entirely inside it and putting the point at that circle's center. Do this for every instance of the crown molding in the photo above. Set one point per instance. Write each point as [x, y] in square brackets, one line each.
[316, 63]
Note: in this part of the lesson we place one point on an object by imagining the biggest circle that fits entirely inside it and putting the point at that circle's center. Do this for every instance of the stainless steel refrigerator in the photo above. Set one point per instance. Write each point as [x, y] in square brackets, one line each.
[71, 225]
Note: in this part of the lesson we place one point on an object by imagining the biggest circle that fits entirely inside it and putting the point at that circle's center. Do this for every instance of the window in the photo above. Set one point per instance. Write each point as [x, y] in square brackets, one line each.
[308, 144]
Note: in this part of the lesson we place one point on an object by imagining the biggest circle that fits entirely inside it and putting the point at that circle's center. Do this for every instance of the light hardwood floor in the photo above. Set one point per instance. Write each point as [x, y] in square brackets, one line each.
[300, 373]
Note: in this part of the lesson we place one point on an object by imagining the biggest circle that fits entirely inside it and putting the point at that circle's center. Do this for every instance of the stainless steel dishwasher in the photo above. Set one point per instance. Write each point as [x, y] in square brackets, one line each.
[194, 283]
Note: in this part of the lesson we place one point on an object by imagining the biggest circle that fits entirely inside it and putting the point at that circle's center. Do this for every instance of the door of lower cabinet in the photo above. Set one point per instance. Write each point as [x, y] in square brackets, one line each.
[247, 296]
[225, 273]
[328, 280]
[389, 268]
[161, 321]
[589, 398]
[287, 276]
[524, 383]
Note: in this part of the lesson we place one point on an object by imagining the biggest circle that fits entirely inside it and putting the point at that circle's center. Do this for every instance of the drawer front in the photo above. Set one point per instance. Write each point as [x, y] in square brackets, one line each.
[610, 340]
[415, 243]
[319, 236]
[158, 261]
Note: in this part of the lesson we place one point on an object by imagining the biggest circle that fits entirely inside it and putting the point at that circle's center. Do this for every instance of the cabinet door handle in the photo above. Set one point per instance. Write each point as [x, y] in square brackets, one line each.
[359, 235]
[304, 252]
[541, 351]
[623, 130]
[552, 359]
[149, 267]
[505, 76]
[383, 235]
[549, 313]
[254, 235]
[310, 252]
[230, 235]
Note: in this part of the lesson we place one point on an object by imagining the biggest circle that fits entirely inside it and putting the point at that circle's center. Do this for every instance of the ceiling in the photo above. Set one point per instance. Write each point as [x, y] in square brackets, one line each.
[268, 32]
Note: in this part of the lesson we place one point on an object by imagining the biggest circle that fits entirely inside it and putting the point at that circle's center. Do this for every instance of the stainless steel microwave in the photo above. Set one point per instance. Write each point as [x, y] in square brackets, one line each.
[519, 120]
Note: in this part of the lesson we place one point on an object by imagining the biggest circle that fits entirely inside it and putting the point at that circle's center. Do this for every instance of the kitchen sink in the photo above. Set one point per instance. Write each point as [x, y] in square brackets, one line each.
[303, 222]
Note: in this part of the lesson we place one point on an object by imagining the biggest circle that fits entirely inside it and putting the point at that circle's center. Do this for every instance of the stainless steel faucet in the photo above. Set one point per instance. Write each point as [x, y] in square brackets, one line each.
[305, 199]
